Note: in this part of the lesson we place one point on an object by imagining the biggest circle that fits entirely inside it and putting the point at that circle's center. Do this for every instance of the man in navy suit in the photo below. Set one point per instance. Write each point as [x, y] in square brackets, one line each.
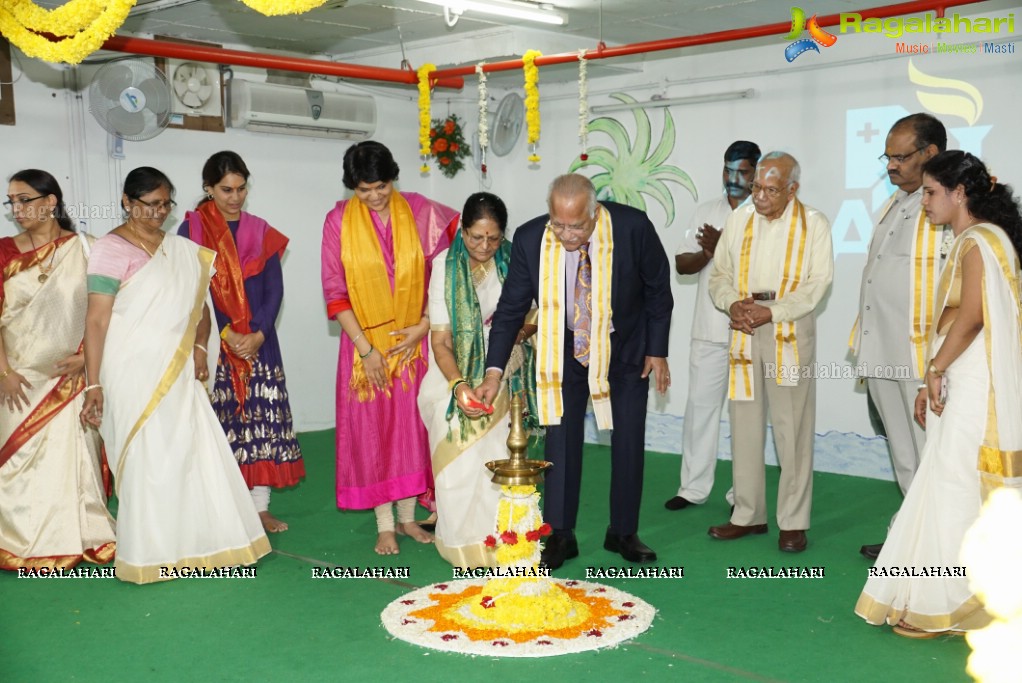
[605, 329]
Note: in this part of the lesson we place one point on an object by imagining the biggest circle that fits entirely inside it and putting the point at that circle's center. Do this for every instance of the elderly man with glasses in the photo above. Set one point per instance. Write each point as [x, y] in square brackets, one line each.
[896, 297]
[772, 266]
[602, 283]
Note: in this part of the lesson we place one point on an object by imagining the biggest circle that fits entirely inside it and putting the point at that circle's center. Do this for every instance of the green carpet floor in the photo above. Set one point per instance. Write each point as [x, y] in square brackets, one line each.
[284, 625]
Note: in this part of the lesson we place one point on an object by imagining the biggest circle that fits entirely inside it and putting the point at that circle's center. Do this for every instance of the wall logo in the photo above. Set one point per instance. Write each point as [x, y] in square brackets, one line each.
[817, 36]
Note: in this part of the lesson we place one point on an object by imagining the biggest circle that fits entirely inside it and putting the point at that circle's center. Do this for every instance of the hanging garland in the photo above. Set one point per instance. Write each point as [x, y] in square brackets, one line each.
[583, 105]
[66, 20]
[532, 100]
[89, 25]
[424, 113]
[484, 129]
[276, 8]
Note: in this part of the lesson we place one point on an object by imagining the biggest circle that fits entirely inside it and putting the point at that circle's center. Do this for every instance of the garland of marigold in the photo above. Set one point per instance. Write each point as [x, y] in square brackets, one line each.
[532, 99]
[66, 20]
[88, 25]
[520, 526]
[424, 114]
[276, 8]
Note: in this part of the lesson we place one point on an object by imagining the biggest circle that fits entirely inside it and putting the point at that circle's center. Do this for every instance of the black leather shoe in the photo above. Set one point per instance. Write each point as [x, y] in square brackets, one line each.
[558, 549]
[871, 552]
[629, 547]
[678, 503]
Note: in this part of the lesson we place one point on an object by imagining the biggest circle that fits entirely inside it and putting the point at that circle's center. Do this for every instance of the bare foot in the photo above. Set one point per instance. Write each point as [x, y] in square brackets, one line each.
[414, 531]
[271, 523]
[386, 543]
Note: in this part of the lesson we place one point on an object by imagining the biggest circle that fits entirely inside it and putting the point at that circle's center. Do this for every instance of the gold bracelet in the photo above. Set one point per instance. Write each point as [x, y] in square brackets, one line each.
[454, 382]
[223, 332]
[5, 373]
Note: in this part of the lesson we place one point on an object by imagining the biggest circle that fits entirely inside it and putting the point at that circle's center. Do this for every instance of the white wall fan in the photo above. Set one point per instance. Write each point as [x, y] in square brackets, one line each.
[130, 98]
[196, 88]
[507, 124]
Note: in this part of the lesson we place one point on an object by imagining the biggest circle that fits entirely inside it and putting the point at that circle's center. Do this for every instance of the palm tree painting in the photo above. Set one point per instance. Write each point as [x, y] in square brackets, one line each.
[631, 171]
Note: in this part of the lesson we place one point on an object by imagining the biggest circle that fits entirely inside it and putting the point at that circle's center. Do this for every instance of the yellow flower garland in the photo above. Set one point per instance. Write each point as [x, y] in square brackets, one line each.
[66, 20]
[532, 99]
[424, 114]
[73, 50]
[276, 8]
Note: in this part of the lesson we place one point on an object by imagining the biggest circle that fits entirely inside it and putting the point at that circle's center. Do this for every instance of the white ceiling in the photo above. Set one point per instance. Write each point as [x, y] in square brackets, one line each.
[349, 28]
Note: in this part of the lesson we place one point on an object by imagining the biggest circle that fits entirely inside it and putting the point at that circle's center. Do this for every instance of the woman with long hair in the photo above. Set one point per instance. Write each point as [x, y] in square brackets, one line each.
[970, 404]
[249, 393]
[52, 503]
[463, 293]
[182, 503]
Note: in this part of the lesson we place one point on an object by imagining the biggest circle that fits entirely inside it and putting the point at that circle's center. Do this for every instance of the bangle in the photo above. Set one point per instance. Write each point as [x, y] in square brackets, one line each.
[223, 332]
[921, 387]
[457, 383]
[495, 372]
[365, 355]
[91, 387]
[454, 382]
[5, 373]
[200, 346]
[360, 335]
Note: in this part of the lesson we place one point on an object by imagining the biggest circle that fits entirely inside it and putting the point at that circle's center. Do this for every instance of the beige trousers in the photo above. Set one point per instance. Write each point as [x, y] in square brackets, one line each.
[792, 412]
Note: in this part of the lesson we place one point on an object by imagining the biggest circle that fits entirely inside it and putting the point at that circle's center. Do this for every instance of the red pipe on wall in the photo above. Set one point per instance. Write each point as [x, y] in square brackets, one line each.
[604, 52]
[219, 55]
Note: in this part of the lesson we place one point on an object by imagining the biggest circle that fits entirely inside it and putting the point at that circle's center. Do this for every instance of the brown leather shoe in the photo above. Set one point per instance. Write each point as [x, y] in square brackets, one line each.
[792, 541]
[729, 531]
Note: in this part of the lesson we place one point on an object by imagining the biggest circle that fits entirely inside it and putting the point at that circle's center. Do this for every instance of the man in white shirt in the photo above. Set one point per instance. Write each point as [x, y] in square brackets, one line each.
[771, 268]
[708, 352]
[896, 297]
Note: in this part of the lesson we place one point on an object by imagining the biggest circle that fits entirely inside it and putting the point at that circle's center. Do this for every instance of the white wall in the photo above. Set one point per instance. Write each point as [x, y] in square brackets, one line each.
[811, 108]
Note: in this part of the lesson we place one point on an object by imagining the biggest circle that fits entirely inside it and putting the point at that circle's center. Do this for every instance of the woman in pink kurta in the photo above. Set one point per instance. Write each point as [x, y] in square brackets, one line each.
[377, 252]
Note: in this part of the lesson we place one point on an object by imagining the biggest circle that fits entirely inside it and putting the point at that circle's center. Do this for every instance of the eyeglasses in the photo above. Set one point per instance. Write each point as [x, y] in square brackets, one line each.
[21, 202]
[156, 205]
[899, 158]
[560, 227]
[479, 240]
[772, 192]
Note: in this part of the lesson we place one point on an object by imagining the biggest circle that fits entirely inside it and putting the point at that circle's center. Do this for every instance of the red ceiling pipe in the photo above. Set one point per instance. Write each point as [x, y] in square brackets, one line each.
[603, 52]
[219, 55]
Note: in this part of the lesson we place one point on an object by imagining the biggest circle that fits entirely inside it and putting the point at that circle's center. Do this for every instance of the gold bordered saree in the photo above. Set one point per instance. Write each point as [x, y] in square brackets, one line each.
[52, 507]
[182, 500]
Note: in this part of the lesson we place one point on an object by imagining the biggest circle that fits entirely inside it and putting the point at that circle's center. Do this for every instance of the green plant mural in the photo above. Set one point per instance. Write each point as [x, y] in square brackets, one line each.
[631, 171]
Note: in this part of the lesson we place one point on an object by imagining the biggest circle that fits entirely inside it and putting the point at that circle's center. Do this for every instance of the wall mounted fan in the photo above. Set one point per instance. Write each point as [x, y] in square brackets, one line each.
[196, 89]
[507, 124]
[130, 98]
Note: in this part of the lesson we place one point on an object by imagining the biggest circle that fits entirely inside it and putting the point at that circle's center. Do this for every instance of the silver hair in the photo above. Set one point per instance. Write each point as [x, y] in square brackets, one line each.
[796, 171]
[571, 185]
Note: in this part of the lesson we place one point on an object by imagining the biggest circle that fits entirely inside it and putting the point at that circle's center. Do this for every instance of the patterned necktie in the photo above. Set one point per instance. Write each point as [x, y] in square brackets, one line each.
[583, 305]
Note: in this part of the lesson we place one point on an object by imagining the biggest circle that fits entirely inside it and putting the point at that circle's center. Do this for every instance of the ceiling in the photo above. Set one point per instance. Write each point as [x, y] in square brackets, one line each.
[358, 29]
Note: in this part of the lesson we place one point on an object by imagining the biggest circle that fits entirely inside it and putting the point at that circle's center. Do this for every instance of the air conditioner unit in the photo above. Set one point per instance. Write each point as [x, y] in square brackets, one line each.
[289, 110]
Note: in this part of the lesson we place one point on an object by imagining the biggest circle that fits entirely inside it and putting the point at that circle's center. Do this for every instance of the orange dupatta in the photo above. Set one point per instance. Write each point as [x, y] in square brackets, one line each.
[380, 310]
[228, 283]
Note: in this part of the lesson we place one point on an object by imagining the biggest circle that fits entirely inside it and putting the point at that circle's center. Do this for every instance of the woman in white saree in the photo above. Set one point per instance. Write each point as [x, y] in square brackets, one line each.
[463, 294]
[182, 503]
[52, 506]
[970, 404]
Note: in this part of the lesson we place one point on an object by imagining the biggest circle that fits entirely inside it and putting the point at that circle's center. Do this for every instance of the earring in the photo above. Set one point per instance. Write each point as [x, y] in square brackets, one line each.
[209, 197]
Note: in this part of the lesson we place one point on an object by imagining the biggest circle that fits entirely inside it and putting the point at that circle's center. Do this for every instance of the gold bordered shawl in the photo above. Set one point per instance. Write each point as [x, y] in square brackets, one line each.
[550, 337]
[379, 309]
[740, 385]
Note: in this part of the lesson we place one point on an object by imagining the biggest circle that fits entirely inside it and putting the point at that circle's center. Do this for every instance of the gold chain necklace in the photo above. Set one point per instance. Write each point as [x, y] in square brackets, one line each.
[480, 272]
[44, 271]
[141, 243]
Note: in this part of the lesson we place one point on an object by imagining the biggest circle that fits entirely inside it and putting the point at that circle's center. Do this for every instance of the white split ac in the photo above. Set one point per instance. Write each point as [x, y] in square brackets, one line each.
[289, 110]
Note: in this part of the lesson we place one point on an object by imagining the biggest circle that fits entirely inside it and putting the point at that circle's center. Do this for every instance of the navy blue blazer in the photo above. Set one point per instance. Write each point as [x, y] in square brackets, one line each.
[640, 294]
